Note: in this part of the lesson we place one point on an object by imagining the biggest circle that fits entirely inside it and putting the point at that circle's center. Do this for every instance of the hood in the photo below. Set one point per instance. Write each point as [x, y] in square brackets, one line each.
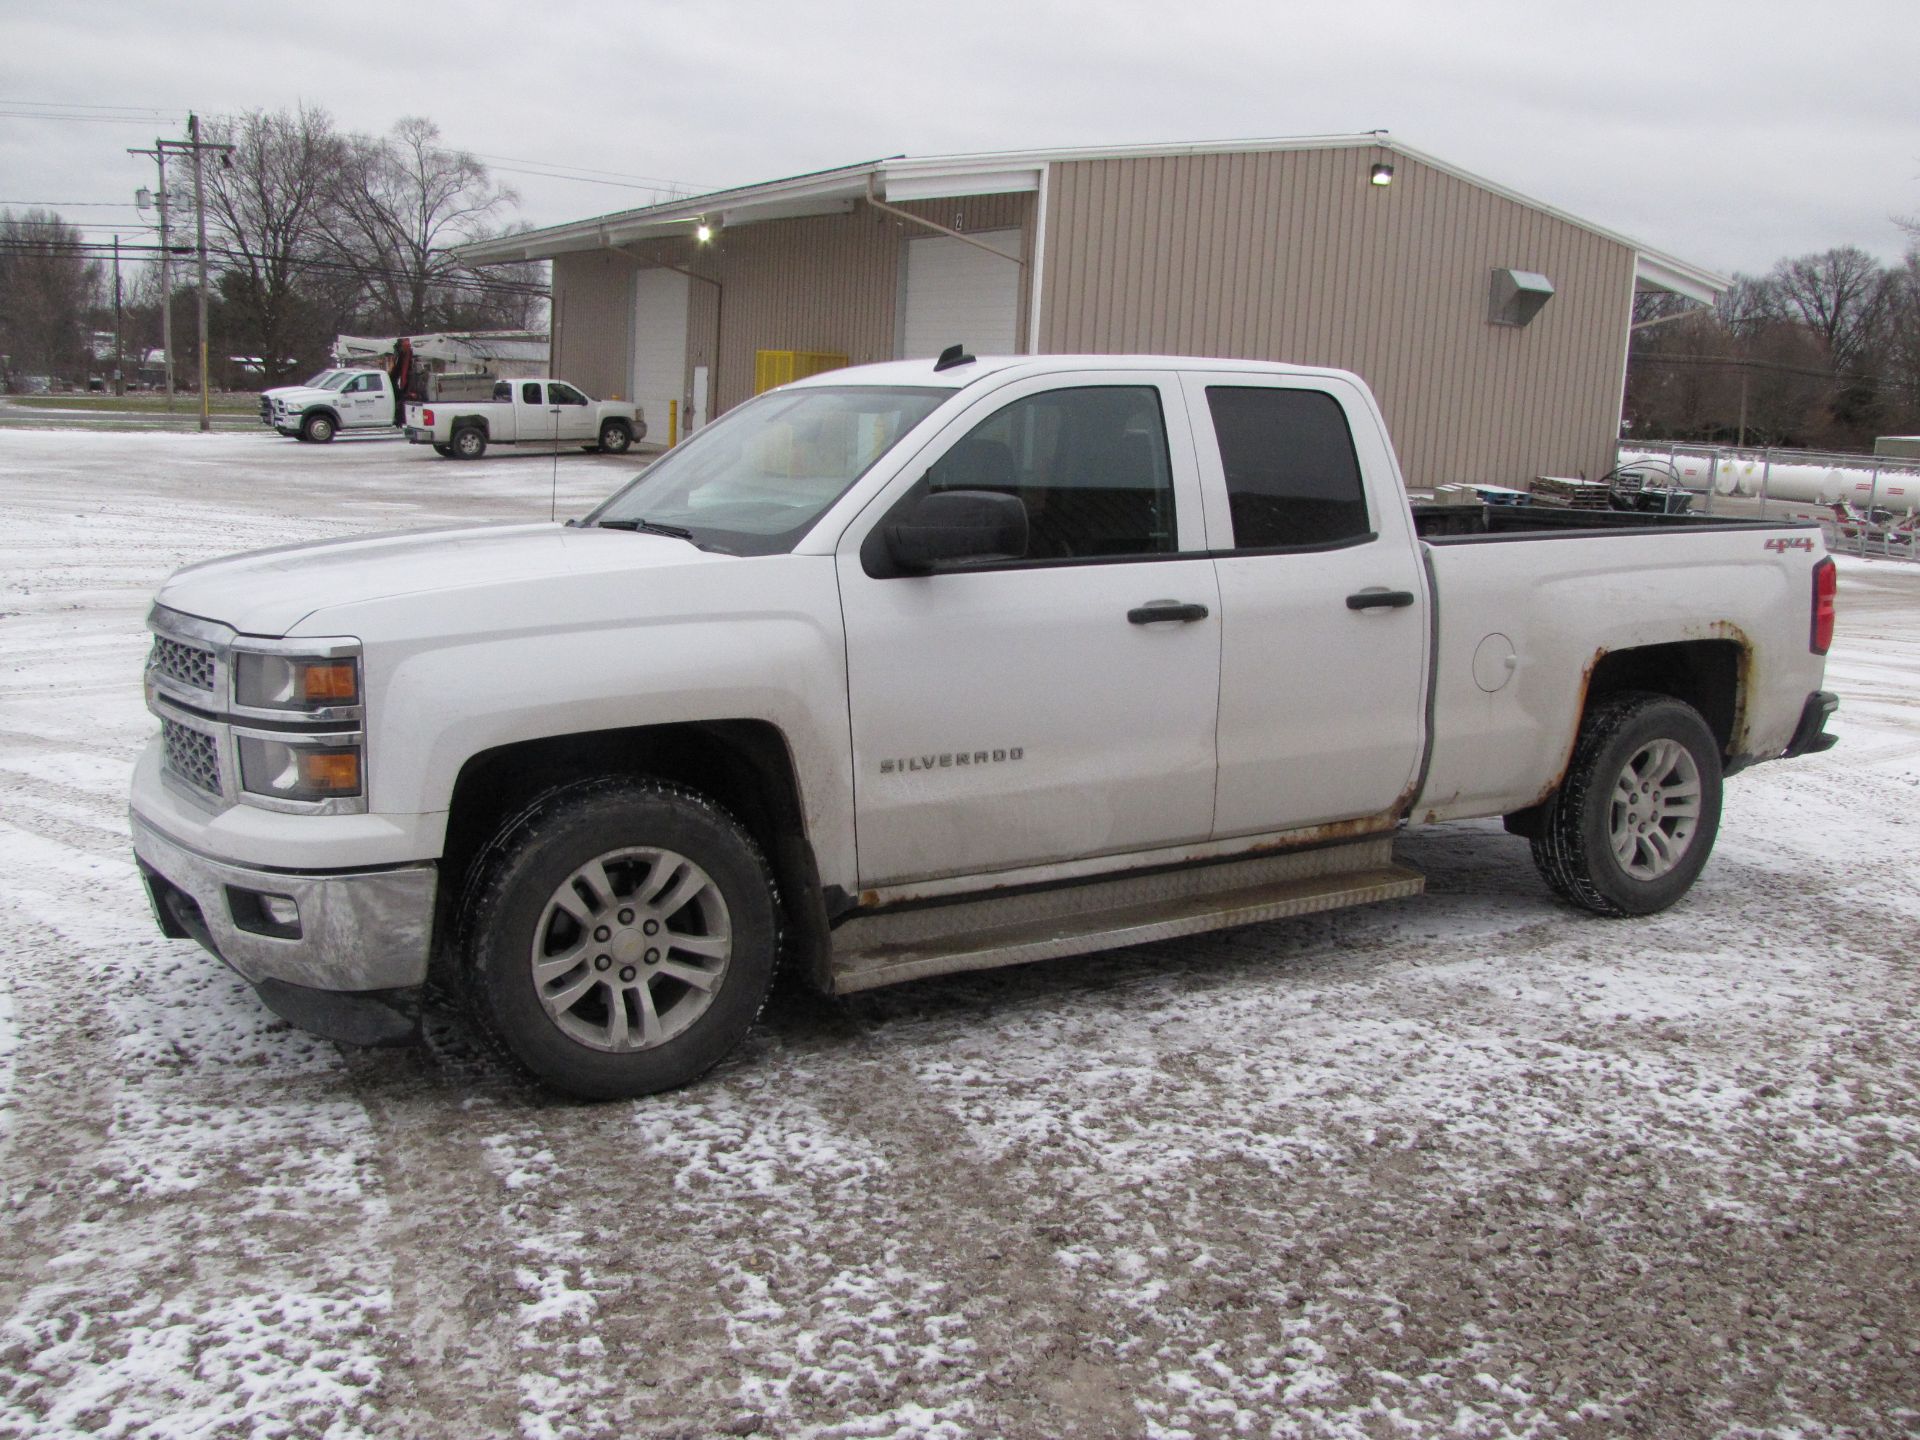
[302, 395]
[269, 592]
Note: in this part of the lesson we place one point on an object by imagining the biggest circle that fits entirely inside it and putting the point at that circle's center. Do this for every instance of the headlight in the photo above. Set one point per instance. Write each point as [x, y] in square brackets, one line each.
[295, 683]
[286, 770]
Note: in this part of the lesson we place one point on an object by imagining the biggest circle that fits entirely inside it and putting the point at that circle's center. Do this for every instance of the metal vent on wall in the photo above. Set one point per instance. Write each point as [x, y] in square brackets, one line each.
[1517, 296]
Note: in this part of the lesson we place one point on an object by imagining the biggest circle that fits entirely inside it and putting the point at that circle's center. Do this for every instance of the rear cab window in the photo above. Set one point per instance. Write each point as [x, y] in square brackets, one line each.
[1292, 475]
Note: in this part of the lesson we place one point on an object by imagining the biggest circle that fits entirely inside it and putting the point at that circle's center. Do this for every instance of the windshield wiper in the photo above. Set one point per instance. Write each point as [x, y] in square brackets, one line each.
[650, 527]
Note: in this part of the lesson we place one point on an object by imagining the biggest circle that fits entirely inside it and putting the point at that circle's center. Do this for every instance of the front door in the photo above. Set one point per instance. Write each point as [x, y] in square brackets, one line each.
[573, 414]
[1060, 704]
[365, 402]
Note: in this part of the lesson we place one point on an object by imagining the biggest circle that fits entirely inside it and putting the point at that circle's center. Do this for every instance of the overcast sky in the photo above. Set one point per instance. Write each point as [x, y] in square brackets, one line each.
[1726, 134]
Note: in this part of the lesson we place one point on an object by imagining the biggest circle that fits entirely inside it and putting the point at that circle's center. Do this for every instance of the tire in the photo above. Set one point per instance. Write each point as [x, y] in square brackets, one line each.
[1633, 823]
[316, 429]
[469, 442]
[625, 865]
[445, 452]
[615, 438]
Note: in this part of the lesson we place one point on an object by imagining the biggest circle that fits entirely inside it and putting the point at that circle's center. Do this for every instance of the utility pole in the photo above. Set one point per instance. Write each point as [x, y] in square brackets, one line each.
[119, 347]
[200, 212]
[192, 145]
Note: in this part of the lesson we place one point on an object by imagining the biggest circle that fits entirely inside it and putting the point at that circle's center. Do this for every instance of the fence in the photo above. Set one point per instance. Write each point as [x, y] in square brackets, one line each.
[1866, 504]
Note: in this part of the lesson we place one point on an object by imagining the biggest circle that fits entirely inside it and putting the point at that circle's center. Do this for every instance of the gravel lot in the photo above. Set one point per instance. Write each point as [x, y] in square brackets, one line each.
[1466, 1165]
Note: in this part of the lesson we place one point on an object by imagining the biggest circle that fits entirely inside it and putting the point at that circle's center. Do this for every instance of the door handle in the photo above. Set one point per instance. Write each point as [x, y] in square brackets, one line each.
[1380, 600]
[1156, 612]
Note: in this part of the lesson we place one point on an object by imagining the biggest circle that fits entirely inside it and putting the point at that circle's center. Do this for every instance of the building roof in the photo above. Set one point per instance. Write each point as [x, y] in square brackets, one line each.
[898, 178]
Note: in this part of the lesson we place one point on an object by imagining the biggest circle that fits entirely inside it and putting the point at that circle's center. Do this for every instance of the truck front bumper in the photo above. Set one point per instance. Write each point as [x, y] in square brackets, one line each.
[341, 954]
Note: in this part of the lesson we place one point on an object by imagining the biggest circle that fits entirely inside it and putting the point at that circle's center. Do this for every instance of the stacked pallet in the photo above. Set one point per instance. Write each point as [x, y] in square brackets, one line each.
[1565, 494]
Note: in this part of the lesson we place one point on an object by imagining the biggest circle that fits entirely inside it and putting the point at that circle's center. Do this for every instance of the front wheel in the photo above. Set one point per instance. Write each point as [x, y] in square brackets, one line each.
[615, 438]
[317, 429]
[1633, 823]
[621, 938]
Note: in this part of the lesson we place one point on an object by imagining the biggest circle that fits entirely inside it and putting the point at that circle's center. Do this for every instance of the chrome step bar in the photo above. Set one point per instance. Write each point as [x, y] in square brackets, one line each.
[910, 944]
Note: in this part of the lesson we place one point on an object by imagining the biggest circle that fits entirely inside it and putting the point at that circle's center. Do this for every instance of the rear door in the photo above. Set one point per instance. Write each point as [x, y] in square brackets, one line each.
[1323, 602]
[1055, 705]
[532, 416]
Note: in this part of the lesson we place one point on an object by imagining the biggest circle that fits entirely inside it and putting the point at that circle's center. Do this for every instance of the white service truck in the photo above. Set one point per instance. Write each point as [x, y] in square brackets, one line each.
[923, 667]
[338, 400]
[525, 412]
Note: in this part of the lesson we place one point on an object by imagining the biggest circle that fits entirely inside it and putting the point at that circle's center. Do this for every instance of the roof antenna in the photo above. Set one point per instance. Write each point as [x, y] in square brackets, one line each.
[951, 356]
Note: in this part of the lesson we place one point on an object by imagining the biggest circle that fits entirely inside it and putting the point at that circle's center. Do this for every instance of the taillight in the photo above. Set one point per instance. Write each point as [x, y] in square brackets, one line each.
[1825, 581]
[426, 417]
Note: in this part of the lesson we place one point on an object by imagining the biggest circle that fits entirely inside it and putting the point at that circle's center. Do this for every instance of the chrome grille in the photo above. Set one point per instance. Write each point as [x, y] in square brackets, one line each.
[187, 664]
[266, 409]
[192, 755]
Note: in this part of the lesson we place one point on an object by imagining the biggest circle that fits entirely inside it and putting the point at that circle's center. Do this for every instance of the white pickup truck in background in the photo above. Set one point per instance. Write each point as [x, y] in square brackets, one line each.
[525, 412]
[917, 668]
[340, 400]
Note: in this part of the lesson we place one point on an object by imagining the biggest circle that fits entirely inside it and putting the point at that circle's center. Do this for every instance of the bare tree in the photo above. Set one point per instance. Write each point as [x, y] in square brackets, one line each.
[1841, 296]
[267, 213]
[400, 203]
[47, 288]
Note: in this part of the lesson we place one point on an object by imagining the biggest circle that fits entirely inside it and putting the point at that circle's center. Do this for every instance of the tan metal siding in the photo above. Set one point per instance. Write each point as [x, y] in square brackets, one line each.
[1294, 256]
[593, 321]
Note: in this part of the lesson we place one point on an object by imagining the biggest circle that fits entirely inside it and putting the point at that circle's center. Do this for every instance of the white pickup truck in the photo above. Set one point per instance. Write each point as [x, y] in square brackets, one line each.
[338, 400]
[525, 412]
[918, 668]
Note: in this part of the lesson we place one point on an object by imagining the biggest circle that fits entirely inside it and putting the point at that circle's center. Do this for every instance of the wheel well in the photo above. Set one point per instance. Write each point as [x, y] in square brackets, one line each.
[325, 410]
[619, 422]
[1709, 675]
[462, 422]
[1706, 674]
[744, 765]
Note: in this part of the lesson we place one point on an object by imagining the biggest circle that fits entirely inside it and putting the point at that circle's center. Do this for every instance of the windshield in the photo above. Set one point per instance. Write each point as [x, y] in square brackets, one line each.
[754, 482]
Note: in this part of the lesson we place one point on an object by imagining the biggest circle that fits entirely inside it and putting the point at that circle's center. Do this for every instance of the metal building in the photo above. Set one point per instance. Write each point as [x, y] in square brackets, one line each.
[1493, 328]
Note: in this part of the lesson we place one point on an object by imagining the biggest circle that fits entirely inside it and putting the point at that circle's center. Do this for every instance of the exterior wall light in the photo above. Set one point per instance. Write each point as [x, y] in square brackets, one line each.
[703, 232]
[1382, 173]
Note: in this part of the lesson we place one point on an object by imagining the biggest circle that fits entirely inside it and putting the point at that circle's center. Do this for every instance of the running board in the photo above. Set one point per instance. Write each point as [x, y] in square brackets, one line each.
[1104, 915]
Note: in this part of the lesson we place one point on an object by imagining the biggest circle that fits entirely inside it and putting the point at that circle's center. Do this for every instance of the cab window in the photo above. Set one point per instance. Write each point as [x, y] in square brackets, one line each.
[1090, 464]
[1293, 480]
[560, 393]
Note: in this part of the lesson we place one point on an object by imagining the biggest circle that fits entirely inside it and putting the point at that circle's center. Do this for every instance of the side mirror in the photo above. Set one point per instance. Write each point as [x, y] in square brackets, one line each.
[958, 527]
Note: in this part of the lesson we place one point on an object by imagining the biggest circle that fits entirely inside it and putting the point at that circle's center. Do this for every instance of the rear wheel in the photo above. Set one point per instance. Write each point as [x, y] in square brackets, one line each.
[317, 428]
[1633, 823]
[469, 442]
[621, 938]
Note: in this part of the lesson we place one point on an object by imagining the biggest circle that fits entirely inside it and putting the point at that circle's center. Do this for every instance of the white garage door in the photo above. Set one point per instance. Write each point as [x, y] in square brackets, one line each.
[958, 294]
[659, 347]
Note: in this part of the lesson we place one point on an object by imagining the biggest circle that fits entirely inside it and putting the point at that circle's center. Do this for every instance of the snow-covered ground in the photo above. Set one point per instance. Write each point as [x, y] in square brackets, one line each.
[1467, 1165]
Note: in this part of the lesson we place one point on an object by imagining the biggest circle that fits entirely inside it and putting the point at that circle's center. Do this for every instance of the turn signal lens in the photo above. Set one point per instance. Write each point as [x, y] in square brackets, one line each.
[1826, 580]
[328, 682]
